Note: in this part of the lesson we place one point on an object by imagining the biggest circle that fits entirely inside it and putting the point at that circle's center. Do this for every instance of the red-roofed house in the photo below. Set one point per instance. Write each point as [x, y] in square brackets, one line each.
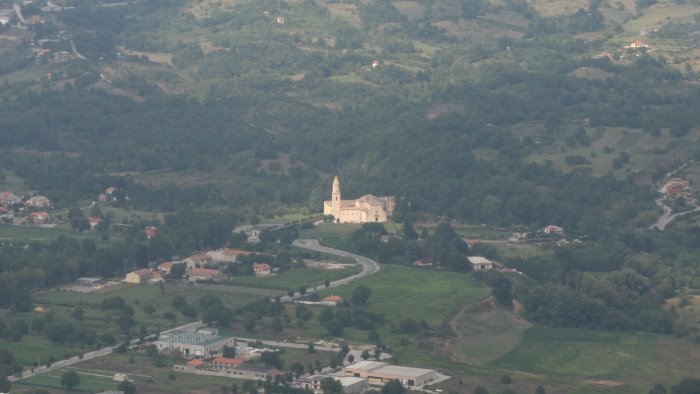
[151, 232]
[553, 230]
[225, 363]
[333, 299]
[39, 217]
[262, 269]
[166, 267]
[94, 221]
[203, 274]
[9, 198]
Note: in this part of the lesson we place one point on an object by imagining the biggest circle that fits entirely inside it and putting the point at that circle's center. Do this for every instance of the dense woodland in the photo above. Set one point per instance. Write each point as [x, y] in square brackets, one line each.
[260, 124]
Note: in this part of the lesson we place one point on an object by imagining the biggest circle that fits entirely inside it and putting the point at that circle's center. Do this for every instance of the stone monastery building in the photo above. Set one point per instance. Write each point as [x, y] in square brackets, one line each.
[367, 208]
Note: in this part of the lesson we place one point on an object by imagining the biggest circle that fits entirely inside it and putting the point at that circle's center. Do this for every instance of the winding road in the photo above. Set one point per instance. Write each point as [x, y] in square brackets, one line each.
[667, 217]
[369, 266]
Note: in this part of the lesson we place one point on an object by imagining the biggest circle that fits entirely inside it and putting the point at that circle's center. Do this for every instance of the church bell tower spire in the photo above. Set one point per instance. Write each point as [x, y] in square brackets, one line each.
[335, 199]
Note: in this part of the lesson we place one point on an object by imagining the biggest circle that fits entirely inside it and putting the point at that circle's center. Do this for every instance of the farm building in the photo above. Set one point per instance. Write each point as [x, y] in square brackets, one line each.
[379, 373]
[481, 263]
[351, 385]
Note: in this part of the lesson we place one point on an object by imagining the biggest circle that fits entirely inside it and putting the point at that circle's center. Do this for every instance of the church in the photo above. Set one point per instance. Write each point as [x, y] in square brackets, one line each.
[368, 208]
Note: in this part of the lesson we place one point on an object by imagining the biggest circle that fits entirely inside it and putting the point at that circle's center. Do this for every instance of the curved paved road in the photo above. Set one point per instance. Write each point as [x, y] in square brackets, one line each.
[369, 266]
[667, 217]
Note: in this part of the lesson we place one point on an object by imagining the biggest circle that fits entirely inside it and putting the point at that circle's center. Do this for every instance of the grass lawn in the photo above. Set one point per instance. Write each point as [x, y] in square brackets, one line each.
[401, 291]
[37, 349]
[486, 336]
[330, 230]
[625, 358]
[585, 353]
[97, 374]
[294, 279]
[90, 381]
[139, 295]
[29, 233]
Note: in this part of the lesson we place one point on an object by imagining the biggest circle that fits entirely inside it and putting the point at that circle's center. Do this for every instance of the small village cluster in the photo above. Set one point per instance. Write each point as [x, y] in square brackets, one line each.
[636, 48]
[52, 47]
[678, 189]
[30, 210]
[200, 267]
[34, 210]
[203, 348]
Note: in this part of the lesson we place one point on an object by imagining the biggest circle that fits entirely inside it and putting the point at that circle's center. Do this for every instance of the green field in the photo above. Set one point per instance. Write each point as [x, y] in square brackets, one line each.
[401, 291]
[294, 279]
[91, 381]
[29, 233]
[330, 230]
[397, 292]
[97, 374]
[486, 336]
[602, 355]
[37, 349]
[233, 296]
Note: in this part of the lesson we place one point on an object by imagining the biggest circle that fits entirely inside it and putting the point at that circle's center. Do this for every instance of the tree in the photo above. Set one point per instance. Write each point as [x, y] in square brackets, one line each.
[540, 390]
[70, 379]
[272, 359]
[189, 311]
[178, 302]
[687, 386]
[393, 387]
[297, 368]
[177, 271]
[360, 295]
[351, 358]
[331, 386]
[78, 313]
[149, 309]
[127, 387]
[152, 350]
[170, 317]
[4, 383]
[365, 354]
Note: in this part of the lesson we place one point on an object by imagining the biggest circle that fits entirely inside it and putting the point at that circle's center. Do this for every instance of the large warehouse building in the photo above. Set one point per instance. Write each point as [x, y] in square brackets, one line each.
[193, 343]
[379, 373]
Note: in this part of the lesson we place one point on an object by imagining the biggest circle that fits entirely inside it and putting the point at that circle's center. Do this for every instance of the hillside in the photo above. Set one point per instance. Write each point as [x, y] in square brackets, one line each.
[548, 136]
[499, 110]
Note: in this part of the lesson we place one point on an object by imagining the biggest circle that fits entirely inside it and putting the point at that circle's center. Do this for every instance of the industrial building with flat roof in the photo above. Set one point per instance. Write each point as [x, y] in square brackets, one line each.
[351, 385]
[192, 343]
[379, 373]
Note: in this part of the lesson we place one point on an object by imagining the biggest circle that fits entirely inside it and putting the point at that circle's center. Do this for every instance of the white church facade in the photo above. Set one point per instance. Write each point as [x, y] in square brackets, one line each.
[368, 208]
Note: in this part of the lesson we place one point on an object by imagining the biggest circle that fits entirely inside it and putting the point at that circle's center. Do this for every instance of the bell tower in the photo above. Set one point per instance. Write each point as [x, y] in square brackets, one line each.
[335, 200]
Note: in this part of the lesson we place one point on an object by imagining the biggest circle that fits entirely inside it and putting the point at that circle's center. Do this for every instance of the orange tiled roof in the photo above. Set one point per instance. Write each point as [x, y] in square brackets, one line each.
[333, 298]
[227, 360]
[204, 272]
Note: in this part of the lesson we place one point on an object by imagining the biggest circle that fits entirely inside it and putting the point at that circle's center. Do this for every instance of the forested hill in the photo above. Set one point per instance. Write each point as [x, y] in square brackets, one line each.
[513, 112]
